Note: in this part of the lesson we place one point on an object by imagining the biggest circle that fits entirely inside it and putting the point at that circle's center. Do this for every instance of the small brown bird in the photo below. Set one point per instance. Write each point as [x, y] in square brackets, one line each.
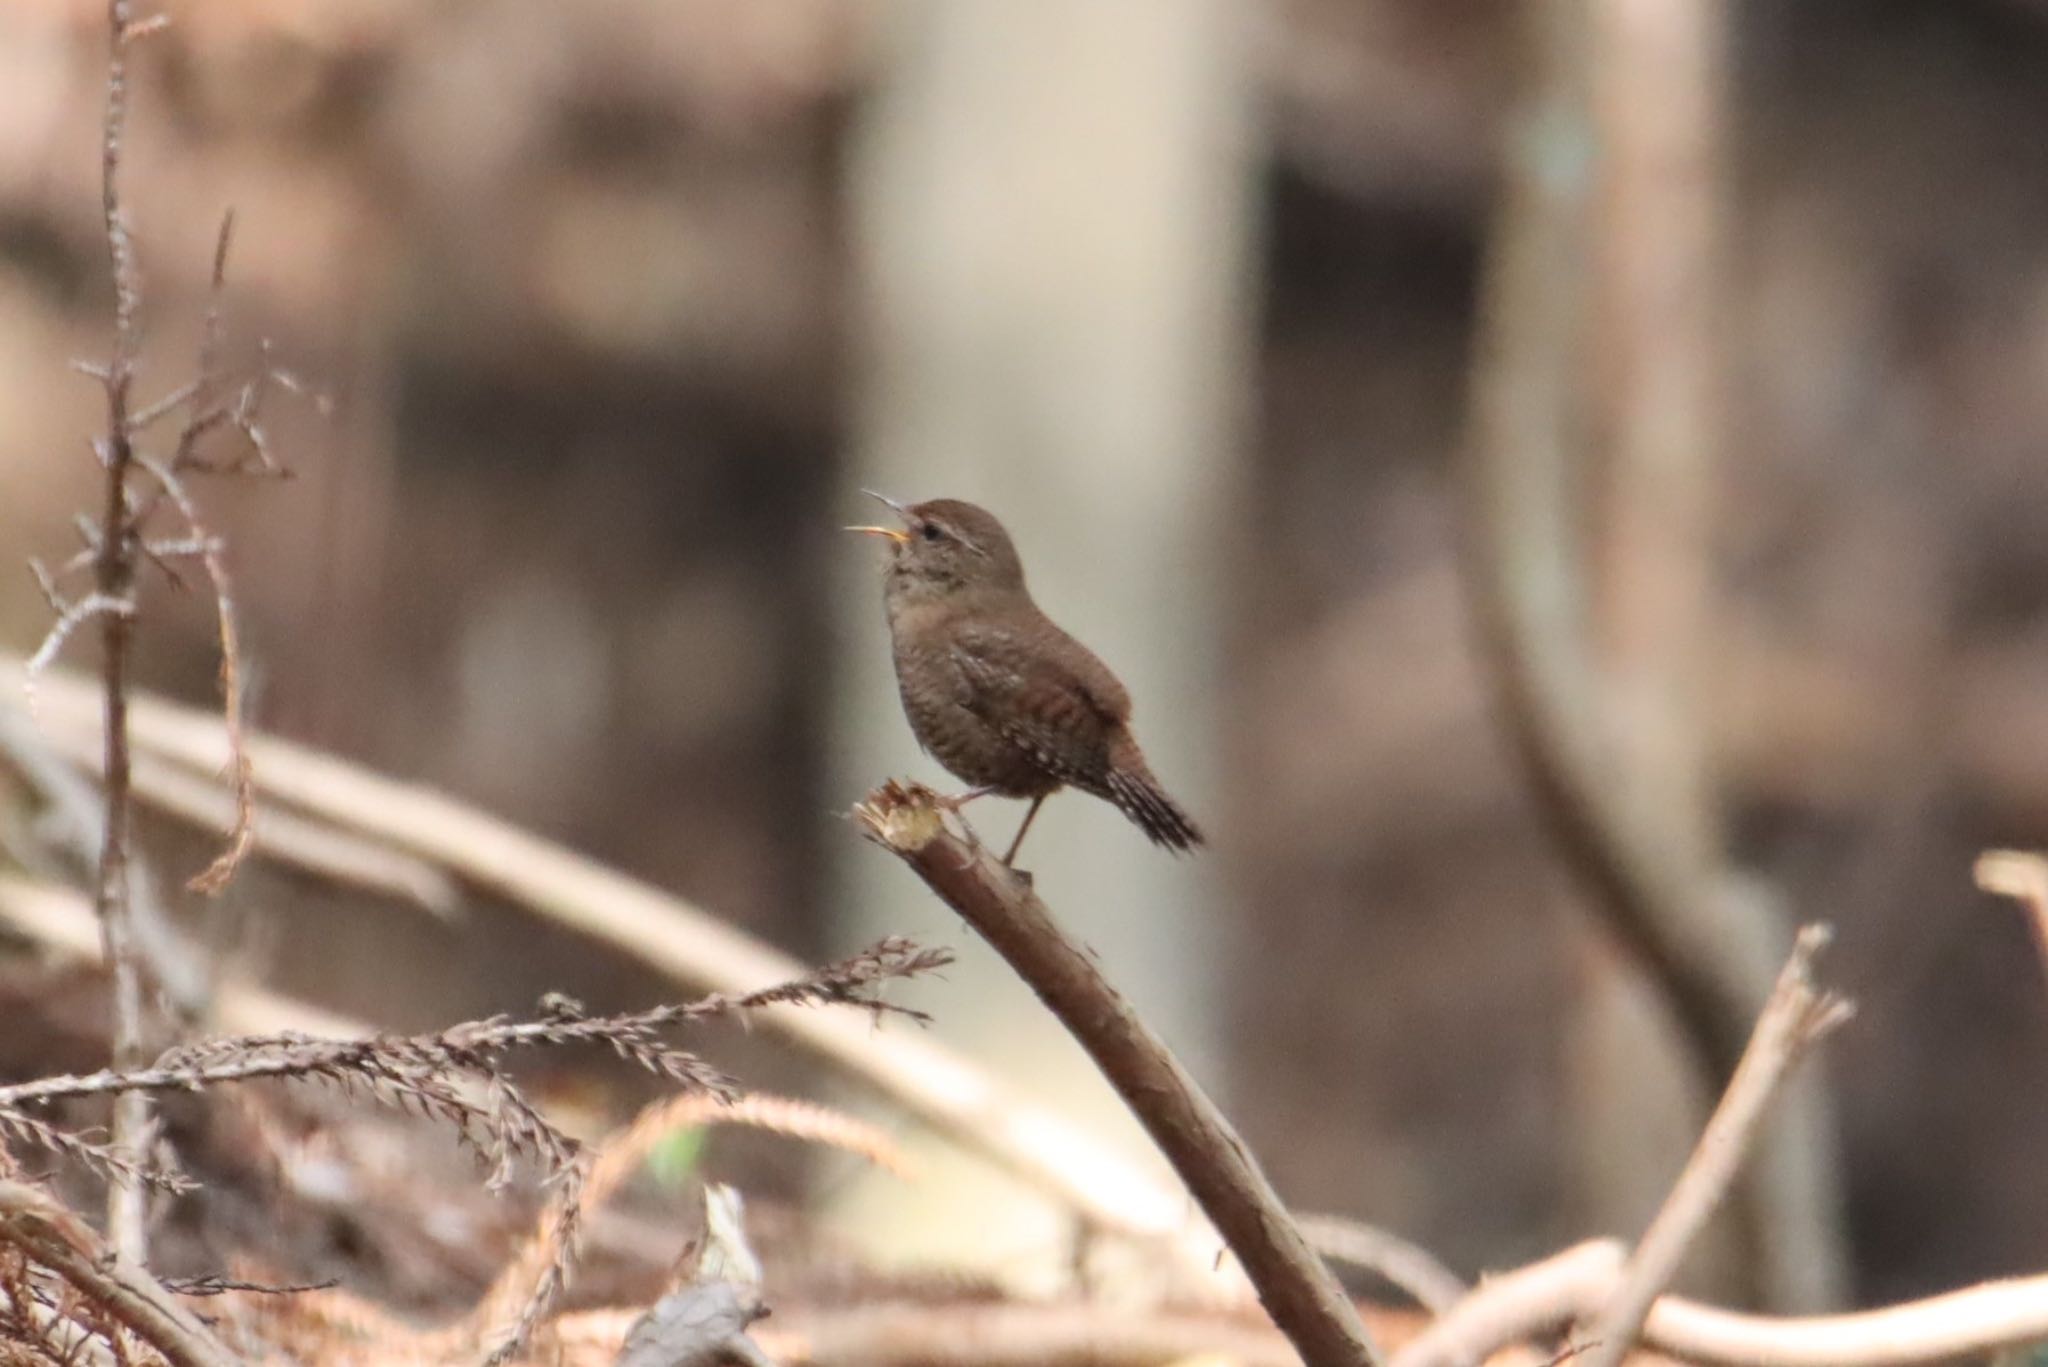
[997, 693]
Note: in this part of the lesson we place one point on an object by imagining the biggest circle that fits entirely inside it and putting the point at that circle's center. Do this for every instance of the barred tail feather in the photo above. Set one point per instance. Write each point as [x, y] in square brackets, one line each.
[1138, 796]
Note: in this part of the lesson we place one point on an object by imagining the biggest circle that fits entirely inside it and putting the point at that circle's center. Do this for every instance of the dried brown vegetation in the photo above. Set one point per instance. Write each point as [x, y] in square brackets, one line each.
[72, 1293]
[454, 1076]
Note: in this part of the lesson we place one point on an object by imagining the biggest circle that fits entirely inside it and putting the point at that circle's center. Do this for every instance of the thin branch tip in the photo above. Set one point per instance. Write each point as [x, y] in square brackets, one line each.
[1815, 1011]
[901, 815]
[2023, 876]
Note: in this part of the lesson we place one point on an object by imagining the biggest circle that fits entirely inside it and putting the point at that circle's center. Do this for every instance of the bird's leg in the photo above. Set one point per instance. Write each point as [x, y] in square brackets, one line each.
[954, 802]
[1036, 803]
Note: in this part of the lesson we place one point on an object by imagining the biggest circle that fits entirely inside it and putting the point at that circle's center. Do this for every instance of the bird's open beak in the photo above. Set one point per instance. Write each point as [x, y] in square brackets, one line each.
[899, 537]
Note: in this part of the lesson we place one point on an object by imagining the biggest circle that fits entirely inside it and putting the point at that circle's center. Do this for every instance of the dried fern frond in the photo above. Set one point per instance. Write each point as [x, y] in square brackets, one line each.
[104, 1159]
[474, 1047]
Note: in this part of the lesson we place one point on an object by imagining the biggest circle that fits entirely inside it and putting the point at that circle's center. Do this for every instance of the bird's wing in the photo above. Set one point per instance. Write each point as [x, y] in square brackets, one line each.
[1045, 692]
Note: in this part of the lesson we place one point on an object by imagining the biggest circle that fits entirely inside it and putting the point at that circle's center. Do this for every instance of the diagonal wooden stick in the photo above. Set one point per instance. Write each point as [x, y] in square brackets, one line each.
[1298, 1291]
[1797, 1016]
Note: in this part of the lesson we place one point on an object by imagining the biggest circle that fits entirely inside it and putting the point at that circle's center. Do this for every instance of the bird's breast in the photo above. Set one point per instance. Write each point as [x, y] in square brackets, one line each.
[947, 711]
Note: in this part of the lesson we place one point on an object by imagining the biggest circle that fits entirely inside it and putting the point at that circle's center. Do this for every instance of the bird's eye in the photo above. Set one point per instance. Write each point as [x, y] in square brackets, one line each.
[930, 531]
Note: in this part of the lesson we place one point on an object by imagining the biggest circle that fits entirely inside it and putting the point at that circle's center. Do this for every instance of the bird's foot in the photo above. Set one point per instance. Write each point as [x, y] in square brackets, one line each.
[951, 803]
[948, 809]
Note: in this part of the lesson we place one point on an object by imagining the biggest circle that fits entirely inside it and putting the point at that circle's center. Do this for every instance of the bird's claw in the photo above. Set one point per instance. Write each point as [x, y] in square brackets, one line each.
[947, 807]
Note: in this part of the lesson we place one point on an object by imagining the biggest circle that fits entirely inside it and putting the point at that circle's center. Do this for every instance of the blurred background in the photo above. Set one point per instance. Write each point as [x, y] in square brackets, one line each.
[620, 303]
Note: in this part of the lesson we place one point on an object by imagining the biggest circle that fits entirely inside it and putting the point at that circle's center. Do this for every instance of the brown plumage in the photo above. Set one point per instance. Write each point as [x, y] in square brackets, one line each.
[994, 691]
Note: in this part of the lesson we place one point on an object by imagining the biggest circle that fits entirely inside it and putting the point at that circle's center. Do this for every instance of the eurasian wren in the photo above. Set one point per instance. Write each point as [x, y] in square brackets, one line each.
[994, 691]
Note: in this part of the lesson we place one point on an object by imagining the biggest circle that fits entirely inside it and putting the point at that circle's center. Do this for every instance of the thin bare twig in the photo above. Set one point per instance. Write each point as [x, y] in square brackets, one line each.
[1407, 1265]
[304, 843]
[71, 822]
[242, 832]
[1503, 1309]
[114, 577]
[115, 546]
[121, 541]
[60, 920]
[72, 616]
[1797, 1016]
[1297, 1290]
[1511, 1307]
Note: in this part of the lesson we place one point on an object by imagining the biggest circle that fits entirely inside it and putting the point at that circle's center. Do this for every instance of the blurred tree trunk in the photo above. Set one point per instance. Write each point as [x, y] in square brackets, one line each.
[1653, 395]
[1597, 429]
[1659, 102]
[1053, 205]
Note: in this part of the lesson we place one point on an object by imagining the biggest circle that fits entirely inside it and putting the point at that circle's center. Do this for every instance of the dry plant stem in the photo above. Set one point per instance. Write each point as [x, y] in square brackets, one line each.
[688, 944]
[33, 1221]
[114, 578]
[1506, 1308]
[1796, 1017]
[2023, 876]
[78, 829]
[1016, 1336]
[1298, 1291]
[311, 846]
[1510, 1307]
[1409, 1266]
[61, 921]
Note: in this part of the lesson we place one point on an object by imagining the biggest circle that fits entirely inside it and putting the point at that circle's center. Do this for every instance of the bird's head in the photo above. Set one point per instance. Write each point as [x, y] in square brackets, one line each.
[946, 547]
